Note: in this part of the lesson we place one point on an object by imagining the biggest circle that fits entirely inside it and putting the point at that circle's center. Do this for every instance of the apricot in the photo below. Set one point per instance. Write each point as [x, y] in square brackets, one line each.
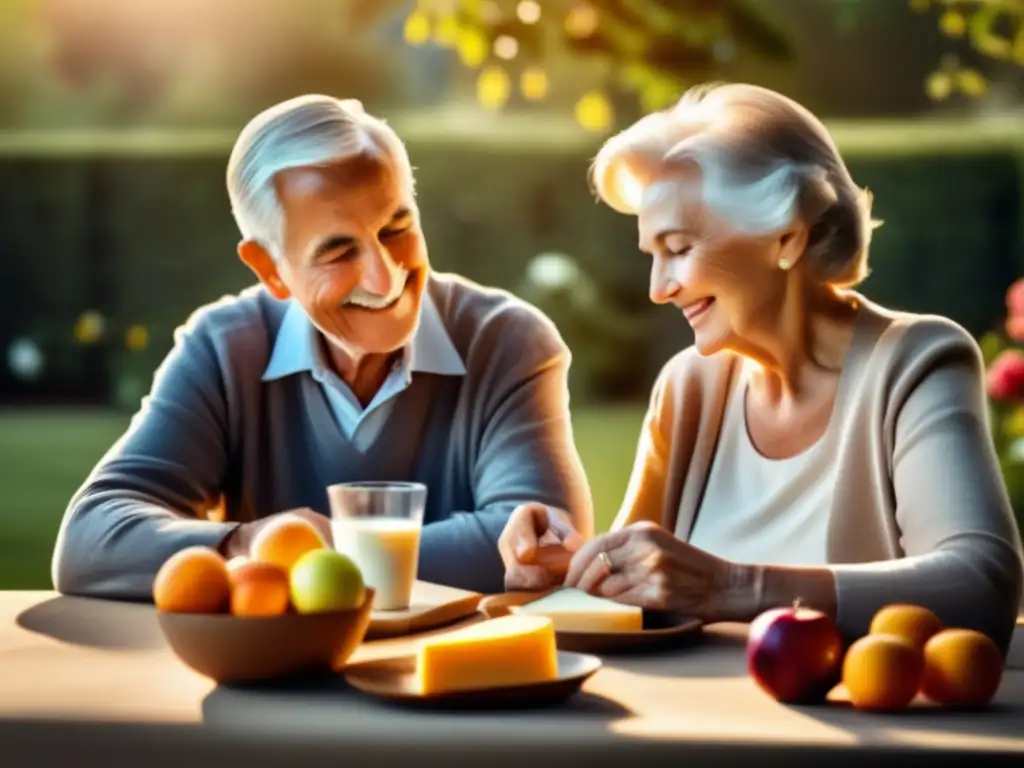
[911, 622]
[882, 672]
[193, 580]
[259, 589]
[961, 668]
[284, 540]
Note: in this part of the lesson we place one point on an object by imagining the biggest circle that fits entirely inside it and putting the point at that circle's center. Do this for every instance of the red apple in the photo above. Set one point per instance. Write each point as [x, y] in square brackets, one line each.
[794, 654]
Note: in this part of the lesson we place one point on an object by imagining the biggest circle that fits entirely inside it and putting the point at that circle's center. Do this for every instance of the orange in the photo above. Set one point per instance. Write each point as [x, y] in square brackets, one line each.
[193, 580]
[882, 672]
[284, 540]
[911, 622]
[962, 668]
[259, 589]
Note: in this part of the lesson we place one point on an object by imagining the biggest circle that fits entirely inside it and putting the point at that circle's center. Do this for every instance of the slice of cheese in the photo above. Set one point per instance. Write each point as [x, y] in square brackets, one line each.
[573, 610]
[511, 650]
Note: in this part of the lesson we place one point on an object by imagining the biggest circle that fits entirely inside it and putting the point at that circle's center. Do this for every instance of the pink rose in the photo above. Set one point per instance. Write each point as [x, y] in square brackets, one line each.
[1006, 376]
[1015, 298]
[1015, 327]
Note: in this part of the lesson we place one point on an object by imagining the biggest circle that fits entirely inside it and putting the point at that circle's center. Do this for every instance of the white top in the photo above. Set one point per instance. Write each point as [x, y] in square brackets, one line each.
[760, 510]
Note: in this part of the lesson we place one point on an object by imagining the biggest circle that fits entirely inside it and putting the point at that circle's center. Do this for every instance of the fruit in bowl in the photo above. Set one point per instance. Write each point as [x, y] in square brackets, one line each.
[193, 580]
[255, 620]
[259, 589]
[284, 540]
[324, 580]
[794, 654]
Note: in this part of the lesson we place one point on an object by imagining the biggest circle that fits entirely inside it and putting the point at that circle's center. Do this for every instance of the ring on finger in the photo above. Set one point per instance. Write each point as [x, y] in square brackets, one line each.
[606, 561]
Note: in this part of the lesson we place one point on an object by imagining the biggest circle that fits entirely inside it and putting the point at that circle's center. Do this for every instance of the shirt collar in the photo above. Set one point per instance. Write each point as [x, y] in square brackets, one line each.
[297, 348]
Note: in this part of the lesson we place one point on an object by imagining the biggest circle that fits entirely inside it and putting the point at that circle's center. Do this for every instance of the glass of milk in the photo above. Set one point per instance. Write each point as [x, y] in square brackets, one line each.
[378, 524]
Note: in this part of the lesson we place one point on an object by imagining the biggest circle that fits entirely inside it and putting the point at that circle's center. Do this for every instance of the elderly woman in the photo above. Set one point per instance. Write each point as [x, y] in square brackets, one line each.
[812, 444]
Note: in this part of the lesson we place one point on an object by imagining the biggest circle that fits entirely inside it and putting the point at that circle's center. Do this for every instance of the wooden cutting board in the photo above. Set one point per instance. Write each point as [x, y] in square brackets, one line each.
[432, 605]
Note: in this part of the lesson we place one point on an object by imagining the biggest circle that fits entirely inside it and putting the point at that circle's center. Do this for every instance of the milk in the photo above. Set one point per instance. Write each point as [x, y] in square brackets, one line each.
[386, 549]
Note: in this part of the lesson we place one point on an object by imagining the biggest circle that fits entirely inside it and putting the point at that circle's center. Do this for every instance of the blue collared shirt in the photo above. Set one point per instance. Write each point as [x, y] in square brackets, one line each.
[298, 350]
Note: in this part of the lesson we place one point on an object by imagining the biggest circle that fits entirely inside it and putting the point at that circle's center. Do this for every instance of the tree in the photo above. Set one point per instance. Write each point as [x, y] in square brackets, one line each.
[993, 28]
[647, 50]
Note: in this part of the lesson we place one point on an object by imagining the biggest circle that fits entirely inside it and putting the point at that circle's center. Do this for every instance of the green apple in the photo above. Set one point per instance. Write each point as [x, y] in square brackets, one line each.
[323, 580]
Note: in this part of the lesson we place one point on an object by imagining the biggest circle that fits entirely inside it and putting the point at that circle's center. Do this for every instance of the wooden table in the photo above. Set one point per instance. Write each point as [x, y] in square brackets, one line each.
[93, 681]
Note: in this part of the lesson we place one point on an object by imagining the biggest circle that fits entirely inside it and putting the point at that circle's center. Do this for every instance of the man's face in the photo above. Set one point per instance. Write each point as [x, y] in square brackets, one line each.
[352, 254]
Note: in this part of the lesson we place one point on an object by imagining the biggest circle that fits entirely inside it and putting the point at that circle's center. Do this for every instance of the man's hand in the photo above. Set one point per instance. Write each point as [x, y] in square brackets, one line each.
[536, 546]
[238, 542]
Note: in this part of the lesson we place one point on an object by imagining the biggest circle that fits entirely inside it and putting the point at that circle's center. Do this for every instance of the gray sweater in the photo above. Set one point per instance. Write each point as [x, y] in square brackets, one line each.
[213, 435]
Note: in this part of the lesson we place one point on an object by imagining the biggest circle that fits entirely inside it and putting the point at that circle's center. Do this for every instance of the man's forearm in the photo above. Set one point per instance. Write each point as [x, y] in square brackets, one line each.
[462, 551]
[113, 548]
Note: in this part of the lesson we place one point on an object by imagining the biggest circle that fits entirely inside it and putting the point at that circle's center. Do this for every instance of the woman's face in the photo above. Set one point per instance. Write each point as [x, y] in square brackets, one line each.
[727, 284]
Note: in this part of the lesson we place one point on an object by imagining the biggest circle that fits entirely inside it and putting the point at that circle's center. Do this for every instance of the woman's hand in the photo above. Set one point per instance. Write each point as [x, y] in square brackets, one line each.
[536, 546]
[643, 564]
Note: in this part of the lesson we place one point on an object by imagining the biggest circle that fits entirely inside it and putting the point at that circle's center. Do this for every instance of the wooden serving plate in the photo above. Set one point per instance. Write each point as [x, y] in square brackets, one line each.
[432, 606]
[394, 680]
[660, 629]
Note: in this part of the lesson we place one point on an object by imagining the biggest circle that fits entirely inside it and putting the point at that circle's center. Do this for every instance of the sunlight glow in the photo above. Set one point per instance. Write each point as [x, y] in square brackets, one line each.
[528, 11]
[506, 47]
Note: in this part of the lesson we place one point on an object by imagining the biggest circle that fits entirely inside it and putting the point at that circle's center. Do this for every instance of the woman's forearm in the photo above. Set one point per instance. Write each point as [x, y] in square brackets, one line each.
[753, 589]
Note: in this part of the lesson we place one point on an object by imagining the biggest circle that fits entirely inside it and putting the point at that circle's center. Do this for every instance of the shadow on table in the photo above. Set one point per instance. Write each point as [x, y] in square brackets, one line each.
[703, 654]
[95, 623]
[305, 703]
[1002, 720]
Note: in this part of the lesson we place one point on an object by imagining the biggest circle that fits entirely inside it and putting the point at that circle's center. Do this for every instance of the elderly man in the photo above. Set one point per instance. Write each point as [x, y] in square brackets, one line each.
[350, 361]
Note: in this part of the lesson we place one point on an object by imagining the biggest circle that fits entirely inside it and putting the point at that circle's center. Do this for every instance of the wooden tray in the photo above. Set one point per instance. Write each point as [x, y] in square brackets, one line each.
[659, 630]
[432, 606]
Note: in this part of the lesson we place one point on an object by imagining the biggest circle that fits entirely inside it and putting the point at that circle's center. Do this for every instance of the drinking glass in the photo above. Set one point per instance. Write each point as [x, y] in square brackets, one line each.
[378, 525]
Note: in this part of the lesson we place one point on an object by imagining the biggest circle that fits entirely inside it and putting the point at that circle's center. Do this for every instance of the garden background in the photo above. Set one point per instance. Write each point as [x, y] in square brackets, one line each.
[116, 118]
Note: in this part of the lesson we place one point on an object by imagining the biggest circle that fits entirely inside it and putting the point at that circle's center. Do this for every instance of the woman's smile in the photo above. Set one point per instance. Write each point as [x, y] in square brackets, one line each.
[694, 311]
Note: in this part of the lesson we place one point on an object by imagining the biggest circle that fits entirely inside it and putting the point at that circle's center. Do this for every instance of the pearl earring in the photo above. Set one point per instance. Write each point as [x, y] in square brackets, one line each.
[784, 264]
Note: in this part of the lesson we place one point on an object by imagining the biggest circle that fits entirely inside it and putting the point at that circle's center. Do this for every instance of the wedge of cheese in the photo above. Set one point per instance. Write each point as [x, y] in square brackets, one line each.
[511, 650]
[573, 610]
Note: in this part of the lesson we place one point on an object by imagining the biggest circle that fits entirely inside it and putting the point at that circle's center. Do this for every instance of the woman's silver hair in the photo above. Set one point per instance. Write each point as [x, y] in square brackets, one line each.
[310, 130]
[763, 160]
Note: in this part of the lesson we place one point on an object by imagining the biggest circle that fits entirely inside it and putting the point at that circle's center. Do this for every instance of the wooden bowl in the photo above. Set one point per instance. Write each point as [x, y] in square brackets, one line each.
[233, 650]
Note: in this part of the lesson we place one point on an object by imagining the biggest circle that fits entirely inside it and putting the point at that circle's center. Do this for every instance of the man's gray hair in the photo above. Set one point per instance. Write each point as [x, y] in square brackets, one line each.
[311, 130]
[763, 160]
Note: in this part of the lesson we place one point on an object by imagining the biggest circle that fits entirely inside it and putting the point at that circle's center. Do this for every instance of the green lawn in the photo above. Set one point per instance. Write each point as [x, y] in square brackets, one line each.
[45, 455]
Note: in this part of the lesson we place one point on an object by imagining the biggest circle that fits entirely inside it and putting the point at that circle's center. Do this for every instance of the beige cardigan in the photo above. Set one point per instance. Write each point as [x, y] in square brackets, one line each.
[919, 514]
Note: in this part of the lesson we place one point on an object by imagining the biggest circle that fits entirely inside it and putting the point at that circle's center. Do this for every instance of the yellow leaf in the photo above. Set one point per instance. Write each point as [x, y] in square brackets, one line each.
[417, 28]
[136, 338]
[447, 32]
[953, 23]
[493, 88]
[939, 85]
[89, 327]
[1014, 423]
[472, 48]
[991, 44]
[1018, 46]
[971, 83]
[581, 21]
[534, 83]
[594, 112]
